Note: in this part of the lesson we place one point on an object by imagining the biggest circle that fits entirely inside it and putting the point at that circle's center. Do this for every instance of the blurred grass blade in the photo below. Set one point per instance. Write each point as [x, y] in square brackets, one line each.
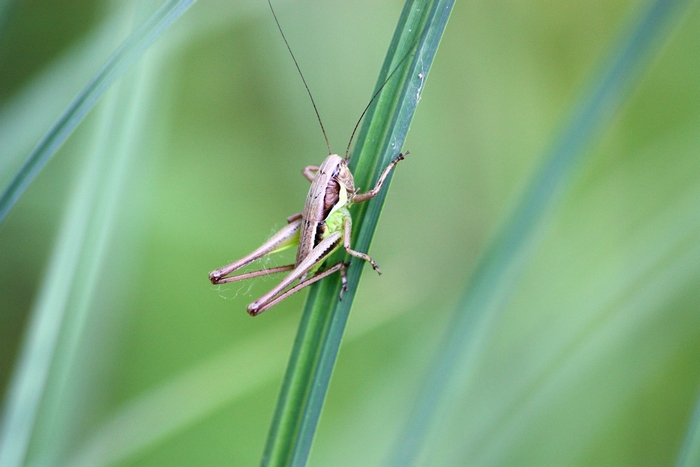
[499, 268]
[39, 414]
[28, 386]
[23, 122]
[125, 56]
[420, 26]
[689, 455]
[6, 9]
[187, 397]
[182, 400]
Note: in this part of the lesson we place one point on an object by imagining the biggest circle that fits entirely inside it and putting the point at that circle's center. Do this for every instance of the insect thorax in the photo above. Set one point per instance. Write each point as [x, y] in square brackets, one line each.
[335, 221]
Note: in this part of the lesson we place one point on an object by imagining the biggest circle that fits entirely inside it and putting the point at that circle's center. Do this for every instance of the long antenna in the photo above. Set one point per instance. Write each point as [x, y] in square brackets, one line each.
[347, 150]
[330, 151]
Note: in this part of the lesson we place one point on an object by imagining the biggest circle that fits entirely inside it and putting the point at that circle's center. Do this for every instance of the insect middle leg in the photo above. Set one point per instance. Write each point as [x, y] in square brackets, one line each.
[294, 217]
[347, 233]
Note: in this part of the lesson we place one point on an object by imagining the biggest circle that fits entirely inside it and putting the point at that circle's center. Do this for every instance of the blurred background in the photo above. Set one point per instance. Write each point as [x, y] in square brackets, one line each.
[194, 159]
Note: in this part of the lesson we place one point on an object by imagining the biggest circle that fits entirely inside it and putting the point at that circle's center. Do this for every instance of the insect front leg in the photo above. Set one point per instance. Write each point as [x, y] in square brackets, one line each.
[347, 229]
[360, 197]
[287, 236]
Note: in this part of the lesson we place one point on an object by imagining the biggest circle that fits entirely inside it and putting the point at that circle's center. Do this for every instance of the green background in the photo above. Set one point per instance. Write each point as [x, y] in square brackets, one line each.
[594, 359]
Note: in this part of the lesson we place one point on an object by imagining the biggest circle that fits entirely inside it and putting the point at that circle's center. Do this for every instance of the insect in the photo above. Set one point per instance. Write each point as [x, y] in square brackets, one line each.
[322, 228]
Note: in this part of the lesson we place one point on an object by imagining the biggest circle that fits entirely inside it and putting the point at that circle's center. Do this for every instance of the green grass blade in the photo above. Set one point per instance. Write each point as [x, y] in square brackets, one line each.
[421, 25]
[498, 271]
[38, 417]
[690, 450]
[6, 10]
[125, 56]
[63, 307]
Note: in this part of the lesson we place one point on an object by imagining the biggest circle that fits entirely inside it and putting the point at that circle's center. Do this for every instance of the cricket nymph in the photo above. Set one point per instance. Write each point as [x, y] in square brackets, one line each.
[322, 228]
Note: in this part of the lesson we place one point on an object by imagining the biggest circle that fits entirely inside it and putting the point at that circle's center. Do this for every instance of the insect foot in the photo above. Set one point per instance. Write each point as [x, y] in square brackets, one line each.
[253, 309]
[343, 279]
[214, 277]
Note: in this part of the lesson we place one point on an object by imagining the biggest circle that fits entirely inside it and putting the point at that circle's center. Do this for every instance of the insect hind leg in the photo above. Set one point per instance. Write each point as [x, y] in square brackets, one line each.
[254, 310]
